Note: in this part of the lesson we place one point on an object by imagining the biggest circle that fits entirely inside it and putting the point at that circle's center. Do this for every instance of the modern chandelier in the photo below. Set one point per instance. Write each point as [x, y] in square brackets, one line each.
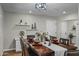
[41, 6]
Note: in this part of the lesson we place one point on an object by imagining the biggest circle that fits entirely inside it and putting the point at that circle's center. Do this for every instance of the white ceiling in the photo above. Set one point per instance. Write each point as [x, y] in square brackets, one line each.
[53, 9]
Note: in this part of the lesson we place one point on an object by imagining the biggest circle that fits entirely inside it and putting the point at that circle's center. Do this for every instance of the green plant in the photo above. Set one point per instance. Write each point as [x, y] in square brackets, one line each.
[74, 27]
[21, 33]
[71, 37]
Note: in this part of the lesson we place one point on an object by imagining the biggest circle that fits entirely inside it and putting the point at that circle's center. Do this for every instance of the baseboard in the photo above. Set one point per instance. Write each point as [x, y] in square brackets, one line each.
[9, 49]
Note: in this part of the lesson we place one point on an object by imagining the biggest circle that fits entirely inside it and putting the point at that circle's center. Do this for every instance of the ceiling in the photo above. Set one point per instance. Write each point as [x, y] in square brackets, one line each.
[53, 9]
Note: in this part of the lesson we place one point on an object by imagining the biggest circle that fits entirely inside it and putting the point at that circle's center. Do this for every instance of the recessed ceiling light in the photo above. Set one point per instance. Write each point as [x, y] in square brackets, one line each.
[30, 11]
[64, 12]
[44, 10]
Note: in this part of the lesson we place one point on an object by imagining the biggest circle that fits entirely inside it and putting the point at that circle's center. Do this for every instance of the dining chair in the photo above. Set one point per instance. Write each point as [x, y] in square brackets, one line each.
[64, 41]
[72, 53]
[24, 48]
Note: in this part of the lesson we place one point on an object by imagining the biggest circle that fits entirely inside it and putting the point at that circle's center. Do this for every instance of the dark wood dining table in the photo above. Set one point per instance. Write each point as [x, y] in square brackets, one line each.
[41, 50]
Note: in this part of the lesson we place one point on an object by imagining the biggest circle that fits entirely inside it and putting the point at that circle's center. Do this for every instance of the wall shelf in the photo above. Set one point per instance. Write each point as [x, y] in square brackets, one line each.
[31, 30]
[26, 27]
[22, 25]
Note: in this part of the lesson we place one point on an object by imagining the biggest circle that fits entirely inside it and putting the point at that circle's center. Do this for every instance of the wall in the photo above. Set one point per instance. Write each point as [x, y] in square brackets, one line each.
[62, 29]
[70, 26]
[56, 27]
[77, 30]
[68, 21]
[51, 27]
[77, 35]
[11, 30]
[72, 16]
[1, 30]
[62, 24]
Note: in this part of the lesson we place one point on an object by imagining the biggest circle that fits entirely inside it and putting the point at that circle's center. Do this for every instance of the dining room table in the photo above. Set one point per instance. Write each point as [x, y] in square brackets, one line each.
[41, 50]
[44, 49]
[59, 51]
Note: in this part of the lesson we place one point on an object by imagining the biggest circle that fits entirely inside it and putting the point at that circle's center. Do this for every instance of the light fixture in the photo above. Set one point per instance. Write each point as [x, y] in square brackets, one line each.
[30, 11]
[41, 6]
[64, 12]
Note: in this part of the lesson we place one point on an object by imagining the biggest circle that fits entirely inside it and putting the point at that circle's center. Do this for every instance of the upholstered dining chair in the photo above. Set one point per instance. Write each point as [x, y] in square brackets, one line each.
[24, 48]
[64, 41]
[72, 53]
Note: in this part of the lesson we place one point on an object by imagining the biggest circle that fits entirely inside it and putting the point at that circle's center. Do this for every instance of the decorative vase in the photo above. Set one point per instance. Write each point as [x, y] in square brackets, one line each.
[32, 26]
[21, 21]
[25, 23]
[41, 38]
[44, 42]
[71, 37]
[35, 25]
[49, 43]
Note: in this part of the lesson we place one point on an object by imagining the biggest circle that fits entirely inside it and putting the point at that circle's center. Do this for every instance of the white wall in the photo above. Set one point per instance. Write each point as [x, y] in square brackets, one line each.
[68, 21]
[11, 31]
[56, 27]
[62, 29]
[77, 30]
[77, 34]
[62, 24]
[72, 16]
[69, 28]
[51, 27]
[1, 30]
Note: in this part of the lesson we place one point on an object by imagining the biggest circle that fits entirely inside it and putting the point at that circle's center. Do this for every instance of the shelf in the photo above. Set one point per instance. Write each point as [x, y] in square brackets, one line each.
[31, 30]
[22, 25]
[27, 27]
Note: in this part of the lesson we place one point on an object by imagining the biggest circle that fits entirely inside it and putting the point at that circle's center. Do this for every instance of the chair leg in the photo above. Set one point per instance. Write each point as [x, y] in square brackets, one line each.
[65, 54]
[22, 53]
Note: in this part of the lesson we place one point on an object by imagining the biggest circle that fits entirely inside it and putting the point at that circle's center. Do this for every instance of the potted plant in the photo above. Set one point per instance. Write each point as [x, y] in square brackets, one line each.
[71, 37]
[21, 33]
[74, 27]
[38, 35]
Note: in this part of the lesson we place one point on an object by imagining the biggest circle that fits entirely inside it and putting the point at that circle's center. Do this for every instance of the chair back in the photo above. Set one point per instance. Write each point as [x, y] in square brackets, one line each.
[24, 48]
[64, 41]
[73, 53]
